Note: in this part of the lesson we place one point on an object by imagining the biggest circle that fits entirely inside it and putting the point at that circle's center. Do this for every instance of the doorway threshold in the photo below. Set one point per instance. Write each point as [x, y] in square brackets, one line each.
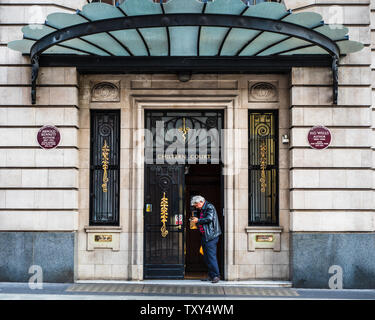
[246, 283]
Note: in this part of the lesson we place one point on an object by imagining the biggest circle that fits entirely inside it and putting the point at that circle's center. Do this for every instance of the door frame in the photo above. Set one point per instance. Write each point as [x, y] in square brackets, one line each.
[222, 191]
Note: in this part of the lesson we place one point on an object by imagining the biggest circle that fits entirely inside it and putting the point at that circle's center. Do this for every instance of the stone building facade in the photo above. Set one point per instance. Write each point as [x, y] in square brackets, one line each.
[325, 197]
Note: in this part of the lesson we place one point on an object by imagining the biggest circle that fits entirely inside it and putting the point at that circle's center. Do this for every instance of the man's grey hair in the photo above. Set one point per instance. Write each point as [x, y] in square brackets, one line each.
[196, 199]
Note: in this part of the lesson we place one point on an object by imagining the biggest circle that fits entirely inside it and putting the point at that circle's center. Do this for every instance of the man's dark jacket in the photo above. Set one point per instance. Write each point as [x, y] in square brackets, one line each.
[210, 221]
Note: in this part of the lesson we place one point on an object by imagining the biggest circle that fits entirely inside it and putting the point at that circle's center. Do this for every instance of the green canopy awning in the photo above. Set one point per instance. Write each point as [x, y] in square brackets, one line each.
[183, 28]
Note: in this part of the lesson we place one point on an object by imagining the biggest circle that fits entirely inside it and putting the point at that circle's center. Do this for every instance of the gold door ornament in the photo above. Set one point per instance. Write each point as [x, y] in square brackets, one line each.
[263, 165]
[105, 162]
[164, 215]
[184, 130]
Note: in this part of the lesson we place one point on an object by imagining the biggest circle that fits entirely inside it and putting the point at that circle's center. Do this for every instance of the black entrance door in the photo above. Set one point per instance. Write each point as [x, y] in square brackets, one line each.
[163, 222]
[178, 139]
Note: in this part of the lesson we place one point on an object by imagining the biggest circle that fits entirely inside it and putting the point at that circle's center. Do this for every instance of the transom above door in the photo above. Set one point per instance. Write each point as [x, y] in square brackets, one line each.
[183, 137]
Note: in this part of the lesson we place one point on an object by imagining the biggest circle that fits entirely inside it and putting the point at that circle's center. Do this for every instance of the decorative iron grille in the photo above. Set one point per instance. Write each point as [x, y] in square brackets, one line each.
[263, 168]
[194, 134]
[104, 167]
[163, 238]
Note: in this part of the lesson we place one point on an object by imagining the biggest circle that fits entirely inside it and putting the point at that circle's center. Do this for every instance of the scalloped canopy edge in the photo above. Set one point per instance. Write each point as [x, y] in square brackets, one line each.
[185, 40]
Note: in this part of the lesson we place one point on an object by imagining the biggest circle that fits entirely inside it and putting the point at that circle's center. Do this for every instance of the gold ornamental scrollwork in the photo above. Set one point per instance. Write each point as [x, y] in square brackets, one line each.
[164, 215]
[184, 130]
[105, 162]
[263, 165]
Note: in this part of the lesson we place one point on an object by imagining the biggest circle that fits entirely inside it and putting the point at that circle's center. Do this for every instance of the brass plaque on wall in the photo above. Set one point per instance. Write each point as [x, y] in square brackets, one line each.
[264, 238]
[103, 238]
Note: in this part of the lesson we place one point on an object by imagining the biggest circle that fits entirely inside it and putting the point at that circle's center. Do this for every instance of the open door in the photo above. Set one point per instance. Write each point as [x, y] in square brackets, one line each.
[163, 222]
[204, 180]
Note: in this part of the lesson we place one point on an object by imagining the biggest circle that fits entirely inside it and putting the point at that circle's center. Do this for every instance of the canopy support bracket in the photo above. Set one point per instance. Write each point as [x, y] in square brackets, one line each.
[335, 81]
[34, 77]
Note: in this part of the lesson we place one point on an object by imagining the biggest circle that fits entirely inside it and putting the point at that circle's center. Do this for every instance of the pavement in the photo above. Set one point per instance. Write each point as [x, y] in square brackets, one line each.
[159, 290]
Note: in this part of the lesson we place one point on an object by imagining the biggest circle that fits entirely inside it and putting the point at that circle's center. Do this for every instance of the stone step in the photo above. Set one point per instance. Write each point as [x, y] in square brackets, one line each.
[181, 289]
[187, 287]
[247, 283]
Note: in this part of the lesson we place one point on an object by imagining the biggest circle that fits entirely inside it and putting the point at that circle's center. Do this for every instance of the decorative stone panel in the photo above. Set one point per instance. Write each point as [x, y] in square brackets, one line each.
[105, 91]
[263, 238]
[313, 254]
[263, 91]
[204, 84]
[52, 251]
[103, 238]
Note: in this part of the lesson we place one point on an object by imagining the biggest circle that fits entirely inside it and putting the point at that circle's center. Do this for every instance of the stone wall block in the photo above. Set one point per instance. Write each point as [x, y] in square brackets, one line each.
[311, 75]
[311, 95]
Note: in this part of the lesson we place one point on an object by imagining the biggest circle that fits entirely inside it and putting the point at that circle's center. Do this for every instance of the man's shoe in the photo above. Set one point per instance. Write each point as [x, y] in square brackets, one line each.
[206, 279]
[215, 280]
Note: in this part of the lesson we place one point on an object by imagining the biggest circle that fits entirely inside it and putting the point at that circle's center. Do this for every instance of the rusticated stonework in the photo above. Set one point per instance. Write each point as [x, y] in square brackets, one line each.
[263, 91]
[105, 91]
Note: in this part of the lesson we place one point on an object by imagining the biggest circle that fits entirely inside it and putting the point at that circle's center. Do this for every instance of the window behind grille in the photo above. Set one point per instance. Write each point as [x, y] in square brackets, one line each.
[104, 167]
[263, 168]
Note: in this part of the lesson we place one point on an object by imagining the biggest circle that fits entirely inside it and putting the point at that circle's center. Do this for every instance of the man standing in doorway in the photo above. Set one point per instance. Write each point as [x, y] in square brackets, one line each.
[208, 224]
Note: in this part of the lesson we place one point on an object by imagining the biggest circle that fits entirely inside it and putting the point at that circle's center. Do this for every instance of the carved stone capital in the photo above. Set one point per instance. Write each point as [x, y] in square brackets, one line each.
[105, 91]
[263, 91]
